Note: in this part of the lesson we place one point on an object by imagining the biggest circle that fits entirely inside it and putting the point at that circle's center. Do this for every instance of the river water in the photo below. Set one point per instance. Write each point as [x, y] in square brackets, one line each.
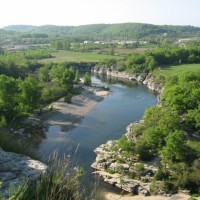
[126, 103]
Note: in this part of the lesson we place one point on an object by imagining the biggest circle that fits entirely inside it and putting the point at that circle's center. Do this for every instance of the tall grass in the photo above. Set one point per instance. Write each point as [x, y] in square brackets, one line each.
[60, 182]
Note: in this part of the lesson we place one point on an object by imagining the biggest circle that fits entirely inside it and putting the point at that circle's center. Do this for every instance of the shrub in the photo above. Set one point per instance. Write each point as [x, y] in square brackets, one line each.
[68, 98]
[87, 79]
[2, 121]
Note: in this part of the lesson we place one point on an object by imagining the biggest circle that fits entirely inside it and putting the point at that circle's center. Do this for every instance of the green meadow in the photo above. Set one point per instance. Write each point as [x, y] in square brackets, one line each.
[177, 70]
[70, 56]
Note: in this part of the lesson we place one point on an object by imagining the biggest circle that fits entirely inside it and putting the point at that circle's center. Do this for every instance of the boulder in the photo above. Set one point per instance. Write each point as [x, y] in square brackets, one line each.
[16, 169]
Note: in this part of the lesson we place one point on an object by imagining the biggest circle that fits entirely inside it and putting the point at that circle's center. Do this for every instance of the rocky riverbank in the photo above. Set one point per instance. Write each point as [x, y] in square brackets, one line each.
[123, 171]
[143, 78]
[16, 169]
[69, 115]
[117, 169]
[128, 172]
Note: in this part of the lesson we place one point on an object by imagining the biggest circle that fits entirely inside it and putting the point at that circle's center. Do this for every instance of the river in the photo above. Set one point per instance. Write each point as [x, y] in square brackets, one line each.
[126, 103]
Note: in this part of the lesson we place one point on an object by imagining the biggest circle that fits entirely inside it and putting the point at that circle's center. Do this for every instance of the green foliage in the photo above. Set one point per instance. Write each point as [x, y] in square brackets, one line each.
[161, 174]
[77, 77]
[154, 187]
[173, 151]
[169, 131]
[64, 77]
[195, 146]
[168, 187]
[14, 65]
[143, 149]
[57, 72]
[2, 121]
[185, 94]
[164, 118]
[87, 79]
[30, 94]
[192, 120]
[18, 97]
[37, 54]
[68, 97]
[79, 57]
[125, 31]
[125, 144]
[43, 74]
[139, 169]
[61, 44]
[161, 57]
[110, 171]
[8, 97]
[51, 92]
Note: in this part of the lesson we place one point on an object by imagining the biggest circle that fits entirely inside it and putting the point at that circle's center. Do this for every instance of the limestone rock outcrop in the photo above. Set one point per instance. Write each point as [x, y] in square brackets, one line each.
[16, 169]
[108, 166]
[144, 78]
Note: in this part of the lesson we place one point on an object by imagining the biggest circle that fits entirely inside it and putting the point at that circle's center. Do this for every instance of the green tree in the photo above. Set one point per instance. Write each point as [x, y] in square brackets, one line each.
[8, 97]
[43, 74]
[30, 94]
[77, 77]
[192, 120]
[182, 96]
[174, 149]
[57, 72]
[151, 63]
[67, 79]
[87, 79]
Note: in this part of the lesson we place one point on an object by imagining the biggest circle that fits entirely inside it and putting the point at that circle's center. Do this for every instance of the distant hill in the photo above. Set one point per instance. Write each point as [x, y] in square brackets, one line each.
[108, 32]
[19, 28]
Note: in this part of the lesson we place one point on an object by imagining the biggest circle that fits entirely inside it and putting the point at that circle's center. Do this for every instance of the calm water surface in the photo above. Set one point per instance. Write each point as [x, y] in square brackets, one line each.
[107, 121]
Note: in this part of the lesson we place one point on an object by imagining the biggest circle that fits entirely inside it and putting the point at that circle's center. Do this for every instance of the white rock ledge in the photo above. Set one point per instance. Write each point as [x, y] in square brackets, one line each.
[15, 169]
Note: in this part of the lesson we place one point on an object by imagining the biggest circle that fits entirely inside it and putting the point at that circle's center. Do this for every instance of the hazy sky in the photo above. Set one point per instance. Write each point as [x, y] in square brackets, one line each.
[78, 12]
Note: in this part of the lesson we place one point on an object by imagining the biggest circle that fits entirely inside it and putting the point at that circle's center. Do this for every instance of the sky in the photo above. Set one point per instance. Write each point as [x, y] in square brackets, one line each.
[81, 12]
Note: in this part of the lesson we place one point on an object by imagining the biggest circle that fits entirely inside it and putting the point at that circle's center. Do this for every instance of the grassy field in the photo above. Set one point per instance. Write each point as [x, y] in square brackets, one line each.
[69, 56]
[178, 69]
[128, 51]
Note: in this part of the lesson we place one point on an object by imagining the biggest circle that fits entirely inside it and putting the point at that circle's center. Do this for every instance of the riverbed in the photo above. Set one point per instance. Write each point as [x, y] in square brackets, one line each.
[106, 120]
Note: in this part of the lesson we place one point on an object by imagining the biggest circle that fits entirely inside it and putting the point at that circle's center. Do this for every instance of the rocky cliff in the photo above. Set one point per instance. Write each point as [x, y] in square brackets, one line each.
[144, 78]
[16, 169]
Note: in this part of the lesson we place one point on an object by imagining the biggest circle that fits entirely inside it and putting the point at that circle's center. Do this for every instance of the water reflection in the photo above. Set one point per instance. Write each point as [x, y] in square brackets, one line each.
[108, 120]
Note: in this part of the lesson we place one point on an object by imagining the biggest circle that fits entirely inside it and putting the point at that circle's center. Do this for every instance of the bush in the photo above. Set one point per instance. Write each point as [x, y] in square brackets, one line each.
[87, 79]
[144, 150]
[68, 98]
[3, 121]
[125, 144]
